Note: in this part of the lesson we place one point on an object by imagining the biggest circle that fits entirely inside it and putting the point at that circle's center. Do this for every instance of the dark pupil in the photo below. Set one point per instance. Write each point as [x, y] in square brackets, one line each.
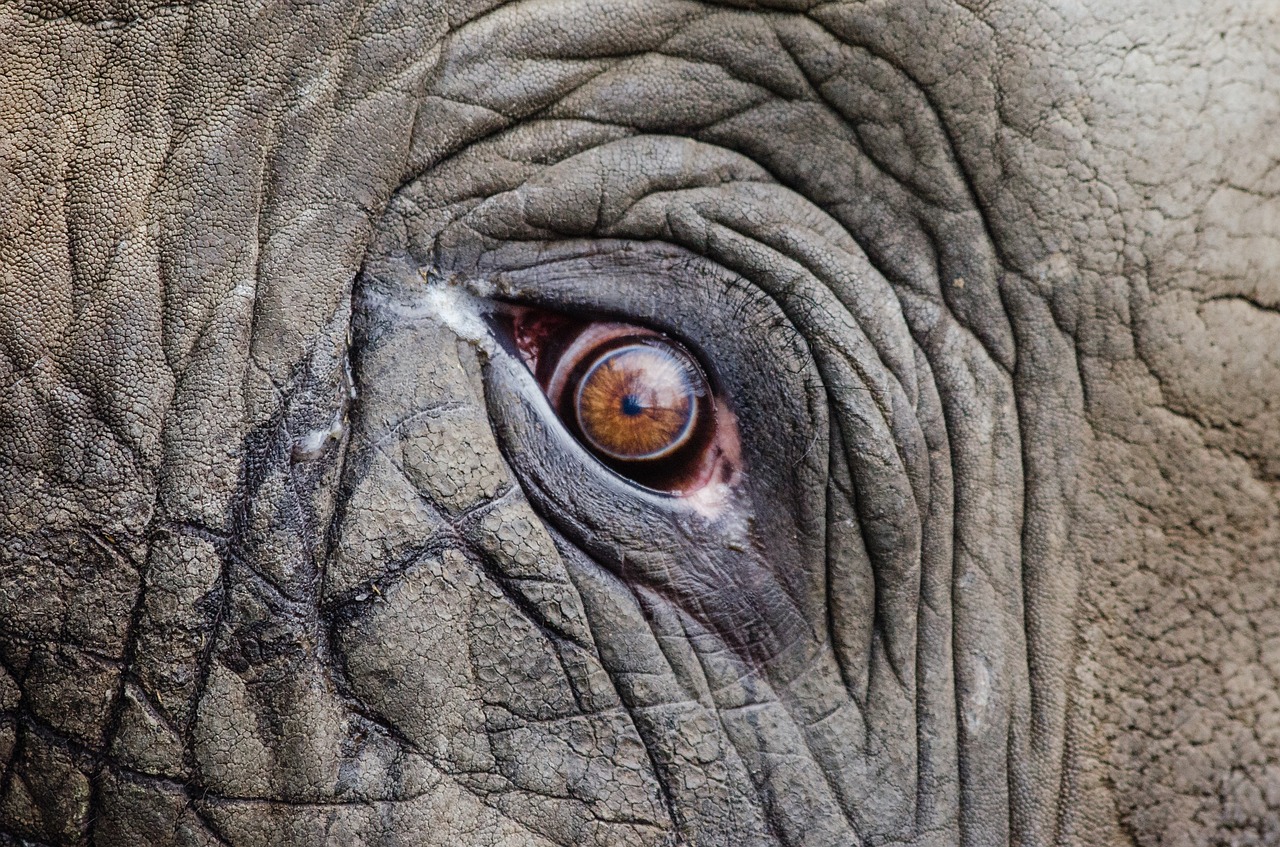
[631, 405]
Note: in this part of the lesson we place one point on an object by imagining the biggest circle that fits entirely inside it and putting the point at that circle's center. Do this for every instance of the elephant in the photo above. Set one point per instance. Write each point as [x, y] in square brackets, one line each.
[640, 422]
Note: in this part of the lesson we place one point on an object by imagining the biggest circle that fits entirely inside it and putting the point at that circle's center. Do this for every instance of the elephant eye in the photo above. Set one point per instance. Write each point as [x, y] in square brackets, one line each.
[639, 401]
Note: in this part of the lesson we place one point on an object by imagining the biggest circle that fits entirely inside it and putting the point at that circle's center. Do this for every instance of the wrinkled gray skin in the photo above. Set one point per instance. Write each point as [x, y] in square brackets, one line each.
[294, 554]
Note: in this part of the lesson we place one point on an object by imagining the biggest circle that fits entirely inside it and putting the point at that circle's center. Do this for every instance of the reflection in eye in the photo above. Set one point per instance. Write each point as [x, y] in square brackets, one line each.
[638, 400]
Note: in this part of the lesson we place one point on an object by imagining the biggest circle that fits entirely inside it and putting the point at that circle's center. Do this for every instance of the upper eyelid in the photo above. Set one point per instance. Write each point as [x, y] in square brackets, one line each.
[583, 275]
[531, 283]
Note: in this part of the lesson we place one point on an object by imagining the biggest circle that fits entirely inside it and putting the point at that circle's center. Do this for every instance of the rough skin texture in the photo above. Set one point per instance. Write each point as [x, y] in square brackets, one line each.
[290, 554]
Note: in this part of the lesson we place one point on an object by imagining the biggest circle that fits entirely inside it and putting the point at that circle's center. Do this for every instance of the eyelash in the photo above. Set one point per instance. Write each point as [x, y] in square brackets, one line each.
[639, 401]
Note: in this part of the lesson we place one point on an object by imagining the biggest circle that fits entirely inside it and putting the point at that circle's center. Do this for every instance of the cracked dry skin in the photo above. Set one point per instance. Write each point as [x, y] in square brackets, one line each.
[293, 552]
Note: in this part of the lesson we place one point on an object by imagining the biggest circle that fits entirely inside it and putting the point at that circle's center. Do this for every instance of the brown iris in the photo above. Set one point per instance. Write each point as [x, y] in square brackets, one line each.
[638, 402]
[636, 398]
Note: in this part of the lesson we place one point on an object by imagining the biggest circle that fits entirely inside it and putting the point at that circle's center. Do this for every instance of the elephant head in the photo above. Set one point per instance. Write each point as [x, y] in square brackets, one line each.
[639, 422]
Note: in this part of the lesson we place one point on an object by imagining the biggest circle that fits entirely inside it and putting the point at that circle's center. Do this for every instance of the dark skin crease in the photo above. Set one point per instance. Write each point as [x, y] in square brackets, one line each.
[296, 550]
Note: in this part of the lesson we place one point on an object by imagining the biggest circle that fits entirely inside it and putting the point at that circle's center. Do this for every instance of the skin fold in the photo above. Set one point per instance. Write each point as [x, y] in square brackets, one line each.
[294, 551]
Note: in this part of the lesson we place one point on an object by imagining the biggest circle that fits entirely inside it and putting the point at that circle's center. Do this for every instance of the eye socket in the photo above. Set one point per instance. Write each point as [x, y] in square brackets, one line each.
[639, 401]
